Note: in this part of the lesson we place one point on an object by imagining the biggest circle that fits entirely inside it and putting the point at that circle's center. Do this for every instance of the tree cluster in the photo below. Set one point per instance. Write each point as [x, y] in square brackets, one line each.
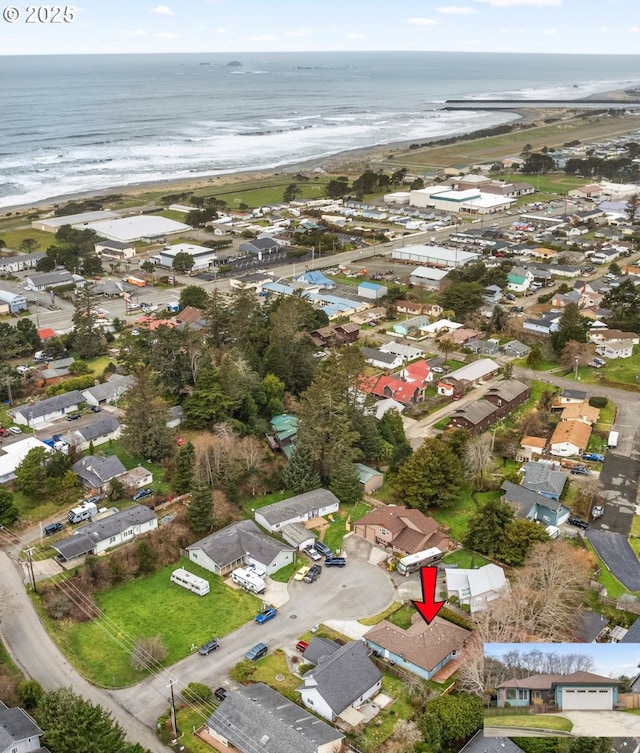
[75, 251]
[46, 473]
[431, 477]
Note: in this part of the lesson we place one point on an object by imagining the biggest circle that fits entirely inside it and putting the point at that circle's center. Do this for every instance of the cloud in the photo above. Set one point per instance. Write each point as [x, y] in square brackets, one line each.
[634, 29]
[166, 35]
[222, 31]
[299, 33]
[263, 38]
[163, 10]
[132, 33]
[422, 21]
[355, 35]
[517, 3]
[457, 10]
[550, 32]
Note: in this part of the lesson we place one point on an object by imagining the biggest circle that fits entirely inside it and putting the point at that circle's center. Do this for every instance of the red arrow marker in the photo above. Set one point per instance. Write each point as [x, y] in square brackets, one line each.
[428, 607]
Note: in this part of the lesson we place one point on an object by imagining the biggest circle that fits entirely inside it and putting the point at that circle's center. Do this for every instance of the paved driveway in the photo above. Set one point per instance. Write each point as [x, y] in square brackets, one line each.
[619, 478]
[603, 723]
[614, 550]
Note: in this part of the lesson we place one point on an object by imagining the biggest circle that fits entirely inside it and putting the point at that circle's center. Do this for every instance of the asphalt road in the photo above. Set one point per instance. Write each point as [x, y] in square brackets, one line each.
[614, 550]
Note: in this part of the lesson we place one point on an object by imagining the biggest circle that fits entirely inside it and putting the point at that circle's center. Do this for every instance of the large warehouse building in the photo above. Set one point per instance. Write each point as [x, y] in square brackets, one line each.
[470, 200]
[434, 256]
[141, 227]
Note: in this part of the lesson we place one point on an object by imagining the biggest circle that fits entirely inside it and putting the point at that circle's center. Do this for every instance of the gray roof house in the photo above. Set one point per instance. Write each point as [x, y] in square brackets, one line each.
[341, 682]
[96, 472]
[545, 478]
[534, 506]
[516, 348]
[298, 536]
[44, 280]
[18, 732]
[109, 391]
[99, 431]
[241, 543]
[46, 411]
[257, 719]
[260, 247]
[110, 531]
[297, 509]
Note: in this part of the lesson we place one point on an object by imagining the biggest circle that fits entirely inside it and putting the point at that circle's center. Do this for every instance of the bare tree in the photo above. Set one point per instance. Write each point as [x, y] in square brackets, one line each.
[406, 735]
[147, 652]
[571, 354]
[477, 459]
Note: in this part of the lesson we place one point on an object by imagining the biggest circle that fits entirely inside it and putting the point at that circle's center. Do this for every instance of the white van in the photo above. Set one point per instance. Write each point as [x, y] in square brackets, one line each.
[553, 532]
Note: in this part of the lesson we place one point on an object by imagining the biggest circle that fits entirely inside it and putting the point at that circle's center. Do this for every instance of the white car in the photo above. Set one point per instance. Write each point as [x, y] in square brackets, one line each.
[313, 553]
[437, 369]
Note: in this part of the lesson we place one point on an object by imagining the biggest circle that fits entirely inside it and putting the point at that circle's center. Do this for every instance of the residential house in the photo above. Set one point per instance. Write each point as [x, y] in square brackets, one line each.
[262, 248]
[44, 412]
[543, 253]
[108, 392]
[476, 588]
[370, 316]
[492, 294]
[560, 300]
[402, 529]
[18, 732]
[519, 279]
[516, 349]
[382, 360]
[39, 281]
[384, 405]
[608, 336]
[545, 478]
[96, 472]
[341, 682]
[421, 649]
[530, 446]
[473, 373]
[581, 412]
[136, 478]
[411, 326]
[298, 536]
[615, 350]
[336, 334]
[475, 417]
[315, 277]
[12, 303]
[302, 507]
[499, 401]
[384, 386]
[432, 309]
[54, 371]
[191, 316]
[508, 395]
[117, 250]
[483, 347]
[593, 626]
[409, 307]
[103, 429]
[579, 691]
[14, 453]
[257, 718]
[543, 325]
[11, 264]
[408, 352]
[590, 191]
[463, 336]
[570, 438]
[369, 478]
[107, 532]
[568, 397]
[284, 429]
[534, 506]
[238, 544]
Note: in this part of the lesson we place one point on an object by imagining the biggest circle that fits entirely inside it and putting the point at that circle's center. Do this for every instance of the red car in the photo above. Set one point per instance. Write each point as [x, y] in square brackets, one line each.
[4, 432]
[180, 441]
[302, 646]
[457, 395]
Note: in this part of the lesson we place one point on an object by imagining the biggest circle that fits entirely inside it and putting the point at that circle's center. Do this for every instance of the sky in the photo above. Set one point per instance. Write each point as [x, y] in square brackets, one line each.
[610, 659]
[137, 26]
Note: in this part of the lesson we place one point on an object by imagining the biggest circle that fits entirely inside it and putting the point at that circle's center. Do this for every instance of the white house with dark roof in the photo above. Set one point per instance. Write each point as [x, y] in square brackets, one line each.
[381, 360]
[118, 250]
[342, 680]
[298, 509]
[534, 506]
[18, 732]
[44, 280]
[238, 544]
[257, 719]
[44, 412]
[11, 264]
[100, 431]
[96, 472]
[263, 248]
[108, 392]
[100, 535]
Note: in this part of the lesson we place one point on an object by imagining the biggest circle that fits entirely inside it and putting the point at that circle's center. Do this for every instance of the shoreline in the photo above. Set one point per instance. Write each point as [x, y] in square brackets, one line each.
[341, 161]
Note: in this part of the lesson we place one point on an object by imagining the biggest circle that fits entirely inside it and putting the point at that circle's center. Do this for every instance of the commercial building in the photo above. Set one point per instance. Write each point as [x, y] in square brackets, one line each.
[203, 257]
[469, 201]
[12, 264]
[116, 250]
[12, 303]
[434, 256]
[53, 224]
[141, 227]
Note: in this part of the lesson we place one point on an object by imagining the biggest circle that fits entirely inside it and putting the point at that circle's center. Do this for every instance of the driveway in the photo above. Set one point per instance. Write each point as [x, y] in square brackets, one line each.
[614, 550]
[619, 478]
[603, 723]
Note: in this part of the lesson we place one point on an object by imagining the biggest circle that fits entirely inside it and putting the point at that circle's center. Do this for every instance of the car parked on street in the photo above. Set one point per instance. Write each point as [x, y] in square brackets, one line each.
[335, 562]
[73, 416]
[256, 652]
[313, 574]
[266, 615]
[52, 528]
[220, 693]
[578, 523]
[209, 646]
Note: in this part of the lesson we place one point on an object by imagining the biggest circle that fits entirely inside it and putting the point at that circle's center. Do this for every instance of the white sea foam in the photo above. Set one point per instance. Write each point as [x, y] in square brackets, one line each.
[551, 92]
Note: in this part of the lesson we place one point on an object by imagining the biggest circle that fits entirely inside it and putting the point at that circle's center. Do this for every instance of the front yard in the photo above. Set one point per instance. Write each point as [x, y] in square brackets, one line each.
[148, 607]
[342, 523]
[537, 721]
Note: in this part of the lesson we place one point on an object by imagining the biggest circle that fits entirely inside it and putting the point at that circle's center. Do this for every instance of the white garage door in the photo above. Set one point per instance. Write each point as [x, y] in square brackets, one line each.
[587, 699]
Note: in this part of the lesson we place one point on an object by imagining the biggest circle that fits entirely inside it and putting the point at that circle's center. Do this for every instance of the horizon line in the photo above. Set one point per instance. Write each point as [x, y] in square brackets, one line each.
[311, 52]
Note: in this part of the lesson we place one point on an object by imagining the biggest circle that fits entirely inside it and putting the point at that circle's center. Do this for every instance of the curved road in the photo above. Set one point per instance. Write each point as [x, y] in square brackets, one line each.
[359, 590]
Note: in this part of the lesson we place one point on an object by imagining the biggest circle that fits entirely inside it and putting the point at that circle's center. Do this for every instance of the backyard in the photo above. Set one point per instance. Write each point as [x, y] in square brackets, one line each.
[149, 607]
[456, 518]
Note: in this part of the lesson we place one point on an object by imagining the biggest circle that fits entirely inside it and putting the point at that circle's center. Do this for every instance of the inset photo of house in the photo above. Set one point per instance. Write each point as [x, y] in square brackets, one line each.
[562, 689]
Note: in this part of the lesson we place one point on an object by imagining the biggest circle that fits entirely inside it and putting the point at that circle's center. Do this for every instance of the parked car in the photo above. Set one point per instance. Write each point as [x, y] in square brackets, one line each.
[256, 652]
[597, 511]
[323, 549]
[580, 470]
[510, 297]
[313, 553]
[302, 646]
[313, 574]
[209, 646]
[301, 572]
[93, 500]
[52, 528]
[73, 416]
[15, 430]
[578, 523]
[593, 456]
[4, 432]
[456, 396]
[437, 369]
[95, 409]
[266, 615]
[335, 562]
[141, 494]
[220, 693]
[595, 365]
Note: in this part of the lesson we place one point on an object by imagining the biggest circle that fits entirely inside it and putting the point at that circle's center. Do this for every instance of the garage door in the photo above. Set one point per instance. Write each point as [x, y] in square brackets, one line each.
[587, 699]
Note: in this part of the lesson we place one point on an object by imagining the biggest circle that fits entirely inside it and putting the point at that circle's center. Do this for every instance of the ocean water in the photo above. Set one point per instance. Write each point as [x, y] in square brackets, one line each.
[87, 123]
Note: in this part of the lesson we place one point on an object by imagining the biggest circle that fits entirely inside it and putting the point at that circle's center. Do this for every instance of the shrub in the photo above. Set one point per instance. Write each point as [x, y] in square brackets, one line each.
[598, 402]
[197, 692]
[451, 616]
[147, 652]
[243, 671]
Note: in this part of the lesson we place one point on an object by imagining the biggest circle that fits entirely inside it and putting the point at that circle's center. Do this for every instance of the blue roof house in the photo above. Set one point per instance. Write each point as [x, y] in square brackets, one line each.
[533, 505]
[315, 277]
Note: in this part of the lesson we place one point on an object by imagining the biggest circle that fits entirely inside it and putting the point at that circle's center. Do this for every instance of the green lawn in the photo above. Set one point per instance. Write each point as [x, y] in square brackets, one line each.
[272, 667]
[383, 725]
[402, 617]
[260, 193]
[189, 718]
[249, 505]
[382, 616]
[615, 589]
[635, 525]
[456, 518]
[542, 365]
[538, 721]
[465, 559]
[607, 416]
[13, 237]
[152, 606]
[131, 461]
[442, 423]
[285, 575]
[342, 522]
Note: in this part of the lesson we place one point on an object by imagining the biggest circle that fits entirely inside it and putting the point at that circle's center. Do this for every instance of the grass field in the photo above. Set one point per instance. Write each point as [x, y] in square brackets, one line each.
[151, 606]
[347, 514]
[258, 193]
[382, 616]
[189, 719]
[285, 575]
[456, 518]
[249, 505]
[537, 721]
[465, 559]
[272, 667]
[13, 237]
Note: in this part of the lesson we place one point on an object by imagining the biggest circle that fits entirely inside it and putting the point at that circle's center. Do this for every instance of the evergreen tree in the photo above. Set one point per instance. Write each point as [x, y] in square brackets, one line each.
[28, 334]
[194, 295]
[572, 326]
[488, 528]
[182, 478]
[345, 483]
[218, 321]
[200, 512]
[207, 404]
[521, 535]
[8, 511]
[31, 474]
[146, 433]
[299, 473]
[431, 476]
[88, 340]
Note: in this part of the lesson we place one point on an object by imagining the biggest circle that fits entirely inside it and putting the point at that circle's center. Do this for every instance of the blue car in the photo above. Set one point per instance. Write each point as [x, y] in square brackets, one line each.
[266, 615]
[141, 494]
[594, 456]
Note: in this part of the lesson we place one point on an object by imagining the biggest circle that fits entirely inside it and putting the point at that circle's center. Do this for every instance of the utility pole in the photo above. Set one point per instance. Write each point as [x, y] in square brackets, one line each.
[32, 576]
[172, 701]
